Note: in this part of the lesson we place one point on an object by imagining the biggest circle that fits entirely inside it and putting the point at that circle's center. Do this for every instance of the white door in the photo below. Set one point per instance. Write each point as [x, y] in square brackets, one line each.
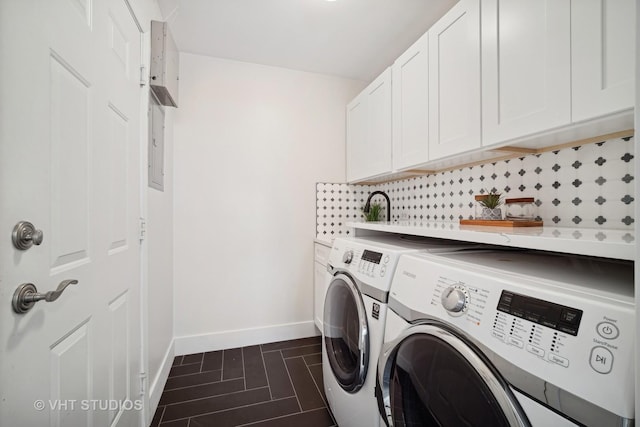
[369, 130]
[410, 109]
[602, 57]
[454, 81]
[356, 137]
[526, 67]
[70, 164]
[377, 156]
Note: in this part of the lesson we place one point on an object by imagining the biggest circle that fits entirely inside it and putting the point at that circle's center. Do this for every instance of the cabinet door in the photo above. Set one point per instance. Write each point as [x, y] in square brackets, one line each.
[410, 106]
[369, 130]
[454, 81]
[356, 137]
[525, 67]
[602, 53]
[377, 156]
[319, 293]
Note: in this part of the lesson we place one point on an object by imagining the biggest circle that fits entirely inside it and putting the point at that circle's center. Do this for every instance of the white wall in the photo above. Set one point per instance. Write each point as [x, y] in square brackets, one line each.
[157, 288]
[160, 272]
[250, 143]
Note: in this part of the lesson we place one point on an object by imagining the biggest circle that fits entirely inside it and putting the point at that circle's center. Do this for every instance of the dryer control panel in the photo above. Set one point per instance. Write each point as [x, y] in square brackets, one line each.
[545, 313]
[562, 324]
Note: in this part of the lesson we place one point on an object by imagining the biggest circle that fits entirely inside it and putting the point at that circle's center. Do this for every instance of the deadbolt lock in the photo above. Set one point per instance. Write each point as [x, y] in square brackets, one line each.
[26, 235]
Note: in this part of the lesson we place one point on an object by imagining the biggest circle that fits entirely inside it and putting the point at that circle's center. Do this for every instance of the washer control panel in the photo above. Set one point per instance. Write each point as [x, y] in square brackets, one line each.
[373, 263]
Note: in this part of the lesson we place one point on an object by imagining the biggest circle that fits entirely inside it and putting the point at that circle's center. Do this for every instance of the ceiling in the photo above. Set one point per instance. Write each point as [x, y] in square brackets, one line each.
[355, 39]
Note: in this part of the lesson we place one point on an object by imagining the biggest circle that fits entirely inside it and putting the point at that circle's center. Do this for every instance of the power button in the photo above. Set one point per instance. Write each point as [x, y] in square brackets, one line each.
[607, 330]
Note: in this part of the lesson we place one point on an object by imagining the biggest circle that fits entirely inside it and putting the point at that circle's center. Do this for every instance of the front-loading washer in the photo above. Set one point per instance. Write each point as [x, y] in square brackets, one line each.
[508, 339]
[359, 277]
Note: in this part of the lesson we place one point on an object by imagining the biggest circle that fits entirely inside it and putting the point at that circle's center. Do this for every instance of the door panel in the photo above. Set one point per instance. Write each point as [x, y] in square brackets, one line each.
[346, 333]
[118, 189]
[526, 68]
[377, 152]
[602, 55]
[410, 110]
[120, 360]
[454, 81]
[434, 385]
[369, 130]
[69, 177]
[70, 164]
[71, 377]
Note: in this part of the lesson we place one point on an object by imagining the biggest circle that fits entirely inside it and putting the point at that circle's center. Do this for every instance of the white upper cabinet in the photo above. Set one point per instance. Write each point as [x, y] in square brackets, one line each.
[454, 81]
[410, 106]
[602, 43]
[526, 67]
[533, 73]
[369, 130]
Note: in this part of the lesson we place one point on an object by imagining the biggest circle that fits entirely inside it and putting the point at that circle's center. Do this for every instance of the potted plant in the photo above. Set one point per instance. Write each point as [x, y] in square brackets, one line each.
[489, 204]
[374, 212]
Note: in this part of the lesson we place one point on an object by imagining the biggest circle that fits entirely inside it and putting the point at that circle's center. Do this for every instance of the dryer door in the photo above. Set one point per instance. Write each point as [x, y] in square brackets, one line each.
[346, 333]
[430, 376]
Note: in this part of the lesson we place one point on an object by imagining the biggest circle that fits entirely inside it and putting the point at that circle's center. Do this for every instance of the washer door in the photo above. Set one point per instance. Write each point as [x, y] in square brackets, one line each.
[346, 333]
[430, 376]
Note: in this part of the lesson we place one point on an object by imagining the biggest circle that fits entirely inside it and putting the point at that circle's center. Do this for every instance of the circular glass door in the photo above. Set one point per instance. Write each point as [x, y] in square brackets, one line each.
[434, 383]
[346, 336]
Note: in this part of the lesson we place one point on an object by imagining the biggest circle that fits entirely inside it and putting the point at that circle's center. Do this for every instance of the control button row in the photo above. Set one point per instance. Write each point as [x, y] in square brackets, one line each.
[537, 351]
[370, 271]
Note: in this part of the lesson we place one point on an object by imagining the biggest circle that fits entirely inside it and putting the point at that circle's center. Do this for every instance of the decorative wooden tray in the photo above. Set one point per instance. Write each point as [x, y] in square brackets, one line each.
[501, 223]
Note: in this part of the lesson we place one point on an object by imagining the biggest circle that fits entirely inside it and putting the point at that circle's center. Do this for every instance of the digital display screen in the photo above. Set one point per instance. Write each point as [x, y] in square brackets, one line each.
[371, 256]
[549, 314]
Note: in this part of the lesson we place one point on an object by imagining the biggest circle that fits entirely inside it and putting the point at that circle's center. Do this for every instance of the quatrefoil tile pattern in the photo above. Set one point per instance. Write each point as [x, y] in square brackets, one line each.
[590, 186]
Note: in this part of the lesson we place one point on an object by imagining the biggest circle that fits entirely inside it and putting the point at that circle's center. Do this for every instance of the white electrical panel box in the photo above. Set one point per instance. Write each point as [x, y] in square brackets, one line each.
[164, 64]
[156, 144]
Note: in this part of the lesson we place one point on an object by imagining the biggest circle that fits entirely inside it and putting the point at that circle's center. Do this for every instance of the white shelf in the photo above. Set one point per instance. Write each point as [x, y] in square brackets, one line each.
[617, 244]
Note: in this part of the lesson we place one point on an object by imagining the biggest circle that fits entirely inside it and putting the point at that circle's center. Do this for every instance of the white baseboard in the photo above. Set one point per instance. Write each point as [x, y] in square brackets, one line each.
[160, 380]
[243, 337]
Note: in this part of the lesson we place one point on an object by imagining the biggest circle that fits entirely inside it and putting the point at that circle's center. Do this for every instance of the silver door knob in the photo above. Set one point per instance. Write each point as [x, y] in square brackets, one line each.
[27, 295]
[26, 235]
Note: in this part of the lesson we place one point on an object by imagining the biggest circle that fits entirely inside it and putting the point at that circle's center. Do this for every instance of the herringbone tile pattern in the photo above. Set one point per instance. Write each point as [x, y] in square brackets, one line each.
[277, 384]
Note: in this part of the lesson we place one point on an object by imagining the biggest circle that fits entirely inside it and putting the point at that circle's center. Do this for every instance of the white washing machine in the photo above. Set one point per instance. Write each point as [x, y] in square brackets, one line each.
[508, 339]
[359, 277]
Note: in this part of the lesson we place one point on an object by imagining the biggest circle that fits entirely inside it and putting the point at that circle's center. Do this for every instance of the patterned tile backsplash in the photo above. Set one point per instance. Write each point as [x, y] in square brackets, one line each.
[590, 186]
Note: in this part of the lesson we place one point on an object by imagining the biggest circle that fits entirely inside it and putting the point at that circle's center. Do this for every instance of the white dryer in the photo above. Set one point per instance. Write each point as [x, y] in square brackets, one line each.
[359, 277]
[508, 339]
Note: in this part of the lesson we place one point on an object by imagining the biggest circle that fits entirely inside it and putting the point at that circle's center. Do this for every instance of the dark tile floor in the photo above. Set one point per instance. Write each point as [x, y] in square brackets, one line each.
[277, 384]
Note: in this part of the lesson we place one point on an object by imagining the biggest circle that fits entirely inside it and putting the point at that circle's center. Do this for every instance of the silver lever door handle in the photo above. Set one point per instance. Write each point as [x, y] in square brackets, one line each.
[27, 295]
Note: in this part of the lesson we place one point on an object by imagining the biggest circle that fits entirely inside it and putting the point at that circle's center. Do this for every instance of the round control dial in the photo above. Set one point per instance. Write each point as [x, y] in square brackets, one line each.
[454, 299]
[347, 257]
